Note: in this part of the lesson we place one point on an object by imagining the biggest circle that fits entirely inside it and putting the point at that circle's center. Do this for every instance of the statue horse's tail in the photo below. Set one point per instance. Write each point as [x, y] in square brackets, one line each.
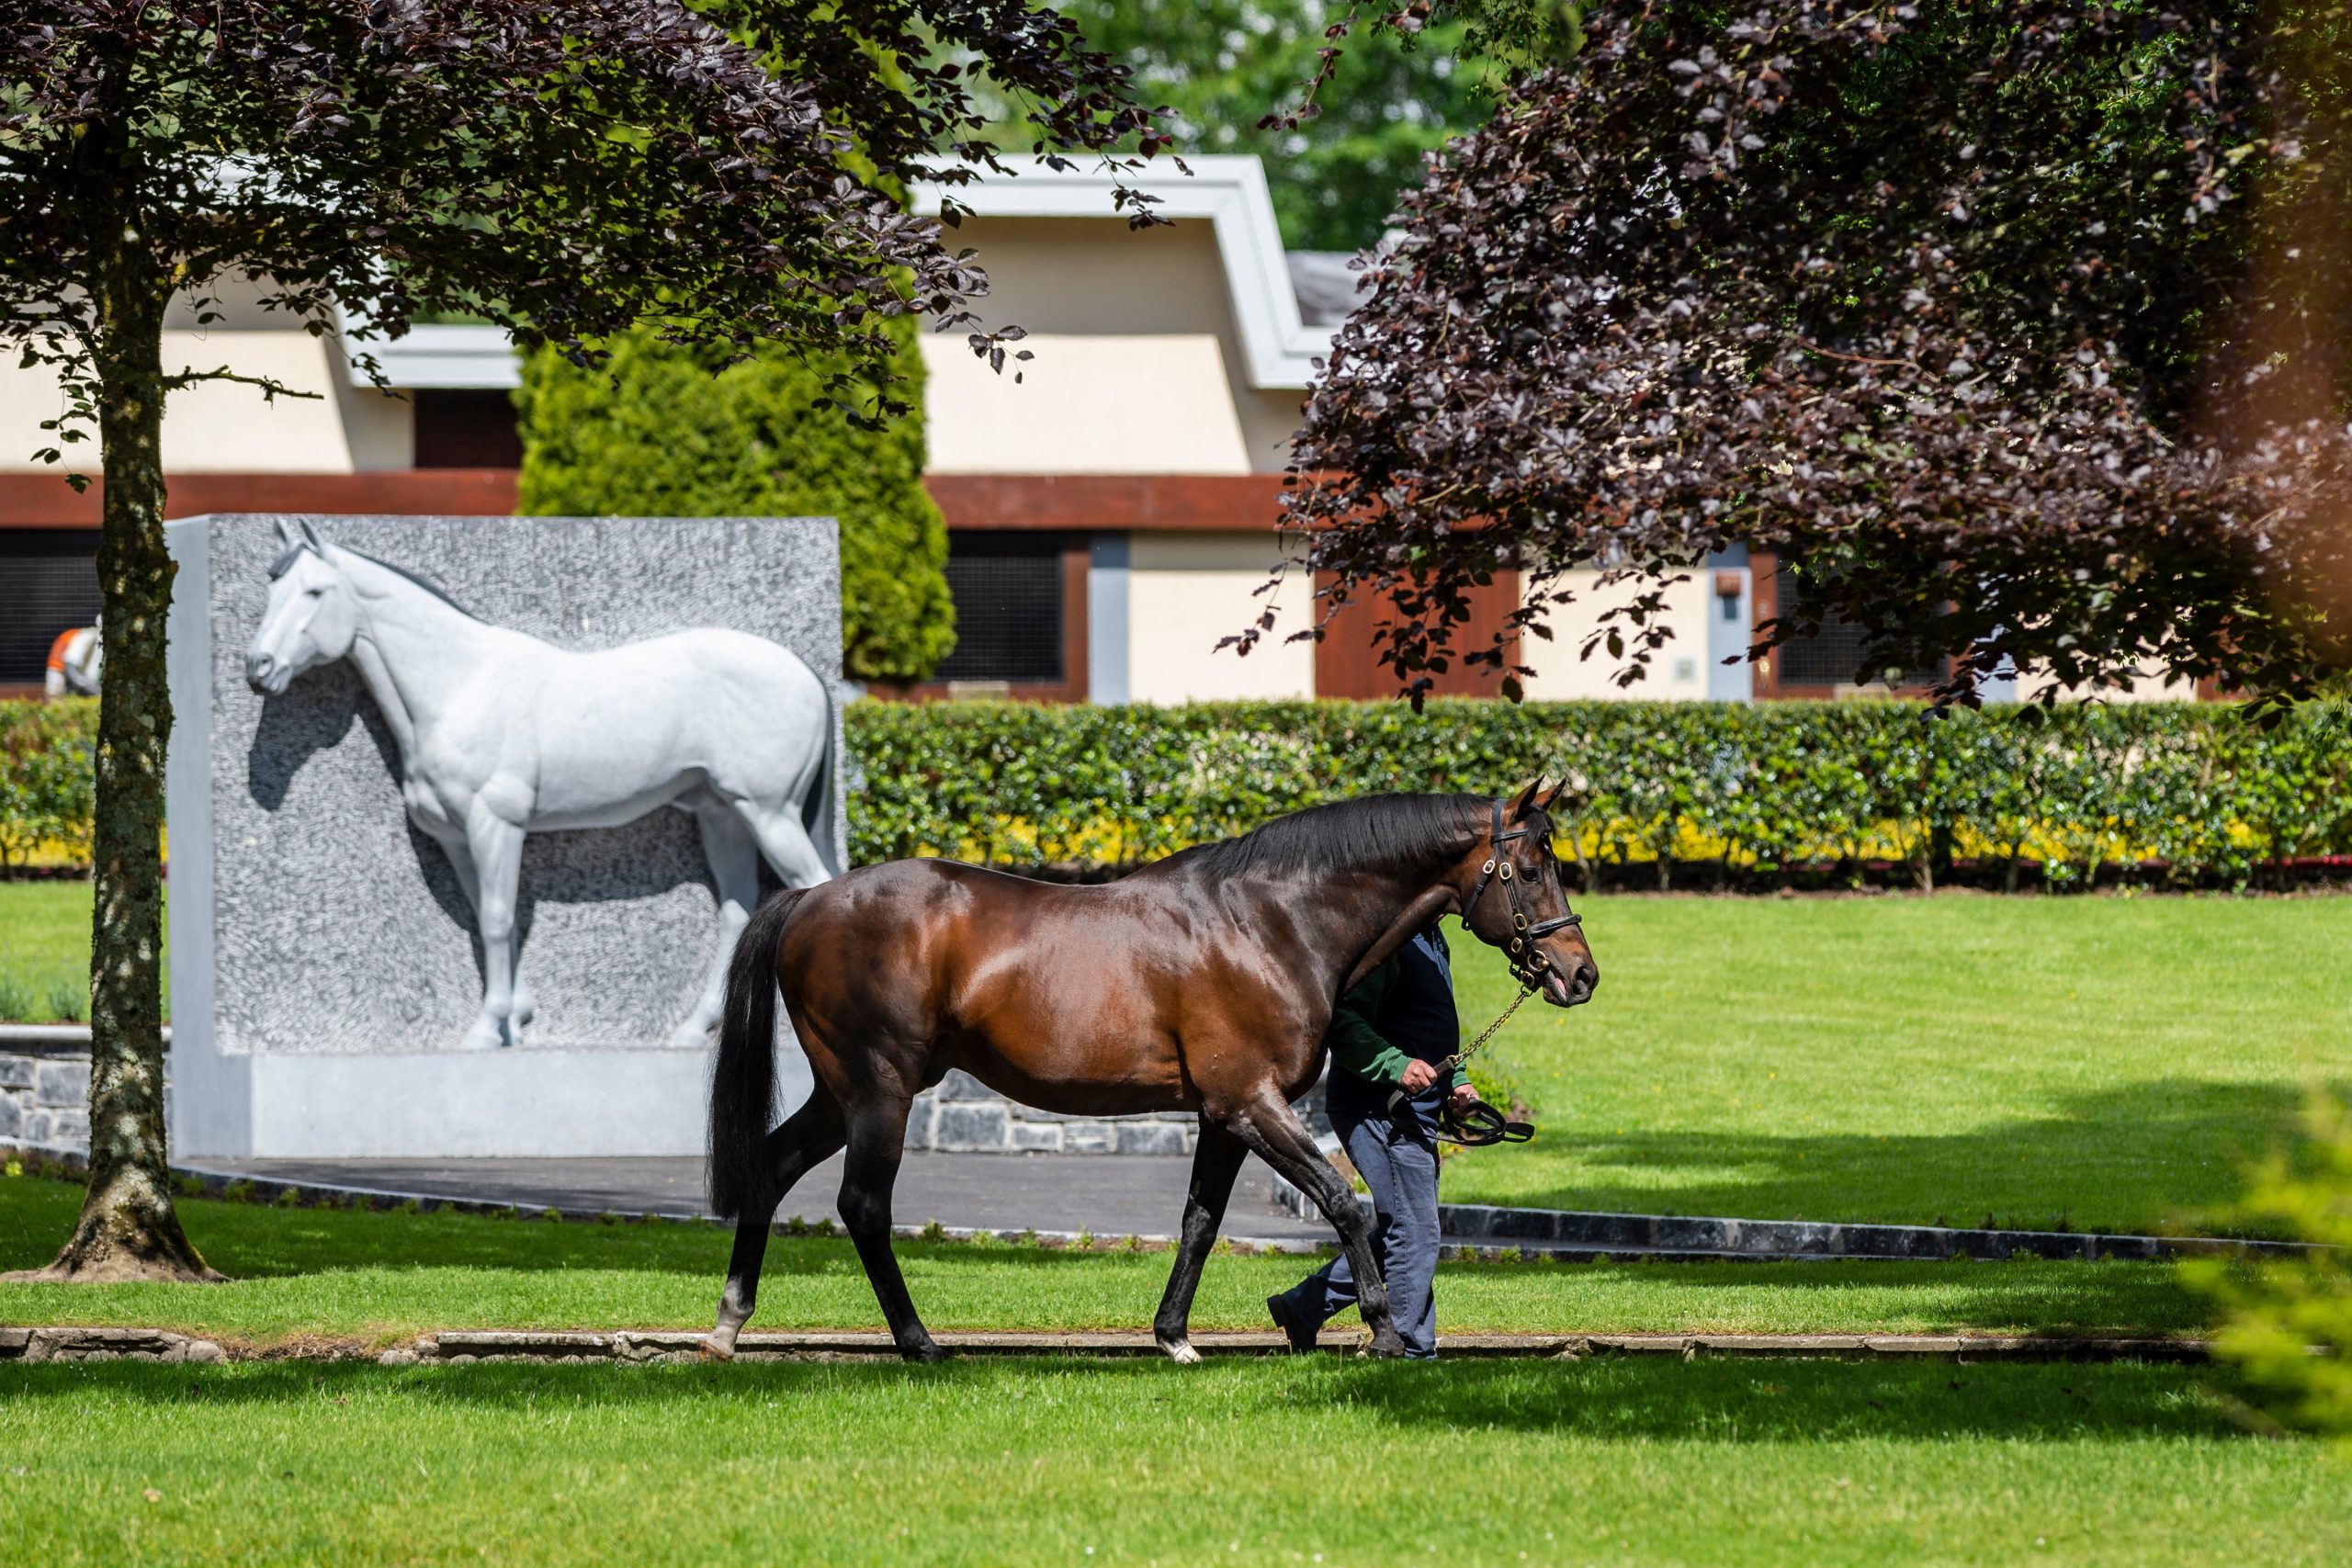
[742, 1079]
[817, 812]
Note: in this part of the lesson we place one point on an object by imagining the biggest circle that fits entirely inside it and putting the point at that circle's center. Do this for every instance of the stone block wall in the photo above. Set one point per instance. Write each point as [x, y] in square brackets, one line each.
[964, 1116]
[44, 1097]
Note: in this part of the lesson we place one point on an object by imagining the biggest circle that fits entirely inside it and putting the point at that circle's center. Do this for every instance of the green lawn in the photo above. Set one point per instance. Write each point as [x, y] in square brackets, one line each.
[381, 1277]
[1274, 1460]
[45, 952]
[2103, 1063]
[1072, 1461]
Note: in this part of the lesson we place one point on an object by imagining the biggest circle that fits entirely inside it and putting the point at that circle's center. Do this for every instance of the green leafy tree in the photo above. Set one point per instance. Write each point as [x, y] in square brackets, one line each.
[1221, 66]
[662, 431]
[569, 169]
[2276, 1317]
[2021, 326]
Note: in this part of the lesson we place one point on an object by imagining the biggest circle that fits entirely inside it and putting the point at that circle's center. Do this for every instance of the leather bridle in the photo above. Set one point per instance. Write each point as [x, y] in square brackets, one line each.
[1478, 1123]
[1527, 961]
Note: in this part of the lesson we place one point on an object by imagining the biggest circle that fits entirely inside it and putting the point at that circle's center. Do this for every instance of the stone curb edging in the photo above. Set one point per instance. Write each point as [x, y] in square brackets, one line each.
[1574, 1234]
[639, 1346]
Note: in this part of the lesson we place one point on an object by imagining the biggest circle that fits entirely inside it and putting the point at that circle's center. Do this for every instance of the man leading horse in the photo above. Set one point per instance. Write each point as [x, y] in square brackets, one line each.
[1204, 982]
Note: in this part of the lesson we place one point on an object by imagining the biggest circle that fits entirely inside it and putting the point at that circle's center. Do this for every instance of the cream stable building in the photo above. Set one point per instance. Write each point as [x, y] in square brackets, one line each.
[1112, 515]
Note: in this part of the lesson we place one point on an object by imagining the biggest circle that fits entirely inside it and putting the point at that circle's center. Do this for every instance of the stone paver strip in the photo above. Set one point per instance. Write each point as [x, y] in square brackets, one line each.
[466, 1347]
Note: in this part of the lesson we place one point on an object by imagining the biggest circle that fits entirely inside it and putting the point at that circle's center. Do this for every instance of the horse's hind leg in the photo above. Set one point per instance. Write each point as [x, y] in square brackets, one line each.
[808, 1137]
[1215, 1162]
[734, 858]
[1276, 1134]
[877, 1133]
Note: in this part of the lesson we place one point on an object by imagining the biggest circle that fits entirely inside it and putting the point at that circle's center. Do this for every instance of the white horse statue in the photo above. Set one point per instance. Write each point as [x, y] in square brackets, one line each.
[501, 733]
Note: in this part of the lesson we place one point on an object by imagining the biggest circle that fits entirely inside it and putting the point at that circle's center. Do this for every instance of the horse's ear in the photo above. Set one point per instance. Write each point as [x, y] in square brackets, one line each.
[1525, 798]
[286, 533]
[1543, 801]
[310, 537]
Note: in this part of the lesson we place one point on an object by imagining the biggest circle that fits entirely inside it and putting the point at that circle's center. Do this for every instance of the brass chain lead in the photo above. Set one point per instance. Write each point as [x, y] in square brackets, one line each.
[1462, 1057]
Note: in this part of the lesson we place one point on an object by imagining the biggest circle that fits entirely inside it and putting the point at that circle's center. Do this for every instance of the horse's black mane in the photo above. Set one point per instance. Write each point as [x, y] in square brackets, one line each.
[1378, 829]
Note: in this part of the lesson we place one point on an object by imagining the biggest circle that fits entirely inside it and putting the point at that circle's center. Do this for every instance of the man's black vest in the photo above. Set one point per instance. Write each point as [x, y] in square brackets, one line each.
[1417, 1016]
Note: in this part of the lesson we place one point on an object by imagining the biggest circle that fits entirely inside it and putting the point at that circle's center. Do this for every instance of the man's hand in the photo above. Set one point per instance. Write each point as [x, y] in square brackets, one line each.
[1463, 1094]
[1419, 1075]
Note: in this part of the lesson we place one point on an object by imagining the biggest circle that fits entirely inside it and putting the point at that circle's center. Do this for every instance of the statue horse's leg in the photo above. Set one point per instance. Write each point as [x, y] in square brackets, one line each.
[808, 1137]
[1276, 1136]
[1216, 1160]
[877, 1133]
[496, 848]
[734, 857]
[461, 860]
[786, 844]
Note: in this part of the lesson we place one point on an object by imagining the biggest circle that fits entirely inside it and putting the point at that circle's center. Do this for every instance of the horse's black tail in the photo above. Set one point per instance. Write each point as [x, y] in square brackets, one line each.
[742, 1078]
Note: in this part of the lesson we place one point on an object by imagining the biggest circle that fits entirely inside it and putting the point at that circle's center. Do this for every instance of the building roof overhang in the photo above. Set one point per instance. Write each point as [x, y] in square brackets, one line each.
[1227, 190]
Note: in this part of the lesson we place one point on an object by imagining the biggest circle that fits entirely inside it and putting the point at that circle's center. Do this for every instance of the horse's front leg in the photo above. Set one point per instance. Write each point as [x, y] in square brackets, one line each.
[1276, 1134]
[496, 846]
[470, 882]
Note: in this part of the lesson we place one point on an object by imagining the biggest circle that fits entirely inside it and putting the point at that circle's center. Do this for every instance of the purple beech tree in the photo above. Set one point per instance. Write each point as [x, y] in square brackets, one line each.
[566, 168]
[2020, 326]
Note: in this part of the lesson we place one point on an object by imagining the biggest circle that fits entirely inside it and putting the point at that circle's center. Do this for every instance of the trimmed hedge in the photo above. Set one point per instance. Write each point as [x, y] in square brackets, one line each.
[48, 772]
[655, 432]
[2183, 793]
[2175, 793]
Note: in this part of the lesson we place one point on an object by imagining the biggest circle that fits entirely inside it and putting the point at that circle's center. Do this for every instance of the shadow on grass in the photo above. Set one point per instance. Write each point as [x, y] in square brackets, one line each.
[1607, 1397]
[259, 1241]
[2113, 1159]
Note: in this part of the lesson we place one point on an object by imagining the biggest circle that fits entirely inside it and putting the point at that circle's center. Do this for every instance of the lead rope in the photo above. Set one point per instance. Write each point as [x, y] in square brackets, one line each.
[1477, 1124]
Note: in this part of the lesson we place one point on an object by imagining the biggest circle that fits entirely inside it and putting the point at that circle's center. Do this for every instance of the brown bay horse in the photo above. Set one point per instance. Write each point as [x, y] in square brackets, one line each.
[1203, 982]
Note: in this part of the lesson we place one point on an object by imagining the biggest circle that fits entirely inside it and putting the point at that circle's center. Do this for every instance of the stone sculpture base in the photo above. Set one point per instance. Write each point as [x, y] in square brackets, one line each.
[453, 1104]
[325, 964]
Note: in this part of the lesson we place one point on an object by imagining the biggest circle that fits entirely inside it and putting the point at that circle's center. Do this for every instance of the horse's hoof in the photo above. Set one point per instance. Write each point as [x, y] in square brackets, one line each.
[712, 1350]
[1388, 1347]
[1180, 1351]
[924, 1353]
[484, 1036]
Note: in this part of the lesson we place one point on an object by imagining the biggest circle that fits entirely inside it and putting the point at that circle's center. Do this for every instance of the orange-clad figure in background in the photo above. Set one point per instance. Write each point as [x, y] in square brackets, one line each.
[74, 660]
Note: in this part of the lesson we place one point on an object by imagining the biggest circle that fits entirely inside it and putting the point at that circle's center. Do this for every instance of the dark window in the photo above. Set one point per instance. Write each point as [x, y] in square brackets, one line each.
[1008, 594]
[463, 428]
[1832, 657]
[49, 584]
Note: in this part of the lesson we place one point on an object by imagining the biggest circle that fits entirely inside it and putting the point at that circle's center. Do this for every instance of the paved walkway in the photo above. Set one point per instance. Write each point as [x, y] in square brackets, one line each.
[1112, 1195]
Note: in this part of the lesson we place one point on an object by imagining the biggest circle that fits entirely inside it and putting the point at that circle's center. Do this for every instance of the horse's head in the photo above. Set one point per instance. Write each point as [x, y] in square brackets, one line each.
[311, 617]
[1513, 898]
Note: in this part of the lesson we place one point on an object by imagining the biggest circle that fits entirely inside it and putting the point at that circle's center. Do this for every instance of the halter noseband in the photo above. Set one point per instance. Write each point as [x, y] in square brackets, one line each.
[1527, 961]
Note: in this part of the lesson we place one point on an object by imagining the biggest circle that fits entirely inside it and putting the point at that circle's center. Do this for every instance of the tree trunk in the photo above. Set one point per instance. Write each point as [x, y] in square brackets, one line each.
[129, 1229]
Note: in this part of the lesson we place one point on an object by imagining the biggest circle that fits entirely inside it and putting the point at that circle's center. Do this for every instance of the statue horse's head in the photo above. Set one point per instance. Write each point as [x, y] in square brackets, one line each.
[311, 617]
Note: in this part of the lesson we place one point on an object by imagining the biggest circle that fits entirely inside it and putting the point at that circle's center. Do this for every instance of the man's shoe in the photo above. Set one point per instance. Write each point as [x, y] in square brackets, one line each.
[1301, 1335]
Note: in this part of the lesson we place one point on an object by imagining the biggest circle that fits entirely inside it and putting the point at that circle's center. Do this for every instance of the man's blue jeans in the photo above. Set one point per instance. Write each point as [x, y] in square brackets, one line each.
[1401, 1166]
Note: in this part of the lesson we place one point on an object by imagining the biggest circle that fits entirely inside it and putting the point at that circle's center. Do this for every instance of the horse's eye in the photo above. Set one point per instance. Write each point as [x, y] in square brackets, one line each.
[319, 592]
